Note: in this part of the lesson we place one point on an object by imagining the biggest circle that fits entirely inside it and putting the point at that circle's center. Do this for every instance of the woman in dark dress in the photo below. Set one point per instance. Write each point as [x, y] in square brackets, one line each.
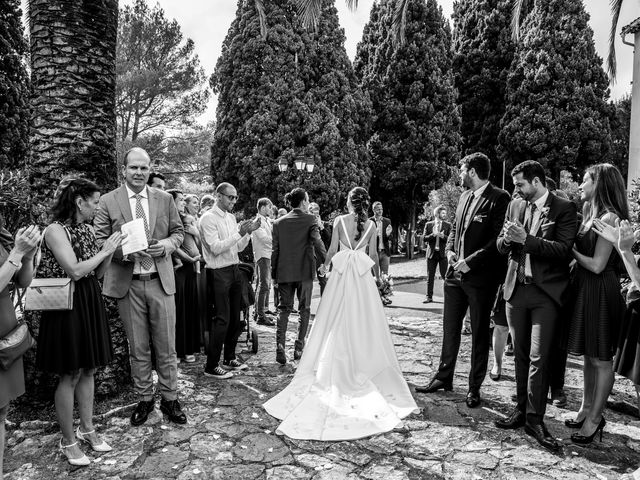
[187, 323]
[73, 343]
[599, 306]
[16, 265]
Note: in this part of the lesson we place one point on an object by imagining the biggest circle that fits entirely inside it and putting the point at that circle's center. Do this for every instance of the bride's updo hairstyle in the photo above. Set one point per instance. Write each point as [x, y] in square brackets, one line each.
[359, 200]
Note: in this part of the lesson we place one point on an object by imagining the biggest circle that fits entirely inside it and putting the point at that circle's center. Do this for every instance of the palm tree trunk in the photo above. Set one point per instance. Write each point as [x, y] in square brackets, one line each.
[73, 64]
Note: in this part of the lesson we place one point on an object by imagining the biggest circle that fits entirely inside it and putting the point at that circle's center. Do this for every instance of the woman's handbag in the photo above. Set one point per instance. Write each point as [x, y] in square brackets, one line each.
[14, 345]
[49, 293]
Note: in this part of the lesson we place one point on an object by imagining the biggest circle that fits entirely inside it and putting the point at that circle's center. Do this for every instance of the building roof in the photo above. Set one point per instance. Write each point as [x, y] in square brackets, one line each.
[633, 27]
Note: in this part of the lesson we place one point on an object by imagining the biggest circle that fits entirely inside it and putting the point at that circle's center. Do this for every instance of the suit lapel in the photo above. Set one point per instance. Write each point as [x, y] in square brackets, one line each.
[123, 202]
[153, 209]
[459, 215]
[547, 205]
[479, 204]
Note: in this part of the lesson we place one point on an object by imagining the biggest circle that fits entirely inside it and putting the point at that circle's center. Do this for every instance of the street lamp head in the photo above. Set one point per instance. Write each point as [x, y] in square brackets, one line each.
[310, 165]
[282, 165]
[300, 162]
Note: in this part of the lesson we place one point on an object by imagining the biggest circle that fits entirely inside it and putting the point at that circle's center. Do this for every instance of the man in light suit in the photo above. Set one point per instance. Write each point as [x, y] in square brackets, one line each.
[261, 243]
[475, 271]
[144, 284]
[383, 228]
[435, 236]
[538, 234]
[296, 246]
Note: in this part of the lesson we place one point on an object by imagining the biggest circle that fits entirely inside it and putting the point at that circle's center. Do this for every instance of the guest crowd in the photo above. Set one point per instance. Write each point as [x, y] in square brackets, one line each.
[545, 275]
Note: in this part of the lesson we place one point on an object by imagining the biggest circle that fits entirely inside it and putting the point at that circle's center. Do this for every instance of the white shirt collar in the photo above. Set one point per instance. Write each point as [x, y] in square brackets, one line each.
[480, 190]
[131, 194]
[217, 210]
[541, 201]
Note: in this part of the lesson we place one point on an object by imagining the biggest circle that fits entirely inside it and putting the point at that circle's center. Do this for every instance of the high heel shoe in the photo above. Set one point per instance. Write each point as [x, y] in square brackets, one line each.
[574, 423]
[83, 461]
[585, 439]
[98, 447]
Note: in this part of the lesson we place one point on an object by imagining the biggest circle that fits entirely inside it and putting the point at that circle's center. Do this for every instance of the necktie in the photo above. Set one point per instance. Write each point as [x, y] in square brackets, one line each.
[463, 220]
[522, 259]
[145, 262]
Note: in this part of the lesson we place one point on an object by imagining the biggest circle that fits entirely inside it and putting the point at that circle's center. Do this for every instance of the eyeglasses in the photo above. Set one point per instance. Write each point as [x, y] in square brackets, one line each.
[233, 198]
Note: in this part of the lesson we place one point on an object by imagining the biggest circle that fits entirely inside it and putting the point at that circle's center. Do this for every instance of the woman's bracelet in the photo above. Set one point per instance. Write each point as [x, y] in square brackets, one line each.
[15, 263]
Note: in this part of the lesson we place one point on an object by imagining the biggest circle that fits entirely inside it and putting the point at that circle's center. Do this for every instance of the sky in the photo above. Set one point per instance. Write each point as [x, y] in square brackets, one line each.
[206, 22]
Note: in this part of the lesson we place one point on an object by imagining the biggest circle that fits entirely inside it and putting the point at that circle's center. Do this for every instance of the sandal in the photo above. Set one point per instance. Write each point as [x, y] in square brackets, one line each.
[83, 461]
[98, 447]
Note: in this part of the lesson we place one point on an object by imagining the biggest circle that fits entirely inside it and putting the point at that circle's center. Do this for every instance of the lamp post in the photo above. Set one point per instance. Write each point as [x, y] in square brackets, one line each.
[301, 163]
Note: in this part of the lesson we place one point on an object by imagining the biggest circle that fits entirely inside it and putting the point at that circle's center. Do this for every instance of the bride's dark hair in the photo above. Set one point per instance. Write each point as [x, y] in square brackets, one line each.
[360, 200]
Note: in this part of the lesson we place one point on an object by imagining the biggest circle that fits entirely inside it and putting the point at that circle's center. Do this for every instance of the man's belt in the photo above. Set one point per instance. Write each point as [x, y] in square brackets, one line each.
[145, 277]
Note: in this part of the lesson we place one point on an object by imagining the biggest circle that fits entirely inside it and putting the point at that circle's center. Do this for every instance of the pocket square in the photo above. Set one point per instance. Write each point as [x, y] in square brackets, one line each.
[478, 218]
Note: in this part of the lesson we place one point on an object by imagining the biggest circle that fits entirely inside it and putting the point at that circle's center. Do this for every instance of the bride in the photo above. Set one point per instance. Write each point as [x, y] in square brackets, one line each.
[348, 384]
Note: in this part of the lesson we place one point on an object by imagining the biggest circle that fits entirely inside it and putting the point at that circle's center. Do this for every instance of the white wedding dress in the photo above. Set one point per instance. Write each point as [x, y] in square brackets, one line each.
[348, 384]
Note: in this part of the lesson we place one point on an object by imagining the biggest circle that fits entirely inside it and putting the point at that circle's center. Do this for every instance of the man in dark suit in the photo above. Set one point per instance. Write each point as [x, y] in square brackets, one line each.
[435, 236]
[296, 244]
[538, 234]
[383, 228]
[326, 231]
[144, 283]
[475, 271]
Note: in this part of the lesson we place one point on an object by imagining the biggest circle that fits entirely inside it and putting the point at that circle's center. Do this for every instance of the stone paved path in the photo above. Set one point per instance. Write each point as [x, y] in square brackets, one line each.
[230, 437]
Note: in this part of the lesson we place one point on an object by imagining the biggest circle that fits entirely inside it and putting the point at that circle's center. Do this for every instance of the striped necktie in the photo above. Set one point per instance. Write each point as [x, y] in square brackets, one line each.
[145, 262]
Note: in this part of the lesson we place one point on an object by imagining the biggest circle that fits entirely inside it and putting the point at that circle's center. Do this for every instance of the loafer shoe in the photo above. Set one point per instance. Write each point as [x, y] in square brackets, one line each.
[172, 409]
[434, 385]
[473, 399]
[142, 411]
[542, 436]
[515, 420]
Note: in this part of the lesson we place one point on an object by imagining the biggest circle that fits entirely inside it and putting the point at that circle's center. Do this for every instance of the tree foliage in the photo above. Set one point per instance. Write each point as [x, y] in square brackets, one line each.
[14, 87]
[289, 95]
[483, 52]
[556, 92]
[160, 83]
[416, 131]
[620, 121]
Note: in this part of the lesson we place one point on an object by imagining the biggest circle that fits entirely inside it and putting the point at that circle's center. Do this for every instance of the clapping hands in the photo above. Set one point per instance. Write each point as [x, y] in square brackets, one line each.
[27, 240]
[622, 235]
[248, 226]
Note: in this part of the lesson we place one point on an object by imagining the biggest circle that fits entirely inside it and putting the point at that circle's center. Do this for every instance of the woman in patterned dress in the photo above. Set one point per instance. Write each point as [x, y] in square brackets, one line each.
[73, 343]
[16, 264]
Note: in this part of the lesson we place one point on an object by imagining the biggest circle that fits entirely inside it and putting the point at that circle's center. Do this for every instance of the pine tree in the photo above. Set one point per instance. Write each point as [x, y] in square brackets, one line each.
[620, 121]
[293, 94]
[14, 87]
[483, 52]
[416, 131]
[556, 92]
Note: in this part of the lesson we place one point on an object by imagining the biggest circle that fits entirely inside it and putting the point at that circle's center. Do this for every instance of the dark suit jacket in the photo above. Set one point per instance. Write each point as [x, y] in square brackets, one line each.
[480, 236]
[164, 224]
[326, 233]
[549, 246]
[385, 238]
[430, 237]
[296, 243]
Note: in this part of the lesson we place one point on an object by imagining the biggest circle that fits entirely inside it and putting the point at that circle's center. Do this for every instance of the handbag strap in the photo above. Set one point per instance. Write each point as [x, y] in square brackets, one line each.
[38, 256]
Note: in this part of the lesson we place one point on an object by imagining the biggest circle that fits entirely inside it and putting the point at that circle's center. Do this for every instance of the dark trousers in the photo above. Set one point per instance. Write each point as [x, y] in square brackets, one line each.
[532, 317]
[559, 354]
[458, 296]
[287, 290]
[224, 291]
[437, 260]
[264, 283]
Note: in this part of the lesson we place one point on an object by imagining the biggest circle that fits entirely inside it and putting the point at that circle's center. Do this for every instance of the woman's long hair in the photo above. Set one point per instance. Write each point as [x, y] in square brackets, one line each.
[64, 201]
[610, 195]
[360, 200]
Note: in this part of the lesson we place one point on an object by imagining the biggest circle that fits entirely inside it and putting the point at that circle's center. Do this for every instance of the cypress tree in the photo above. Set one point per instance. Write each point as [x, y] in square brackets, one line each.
[483, 52]
[557, 90]
[292, 94]
[416, 131]
[14, 87]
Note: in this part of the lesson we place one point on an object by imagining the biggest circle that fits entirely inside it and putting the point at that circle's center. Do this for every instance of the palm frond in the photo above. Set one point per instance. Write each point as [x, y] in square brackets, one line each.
[616, 6]
[309, 11]
[262, 17]
[399, 22]
[516, 15]
[352, 4]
